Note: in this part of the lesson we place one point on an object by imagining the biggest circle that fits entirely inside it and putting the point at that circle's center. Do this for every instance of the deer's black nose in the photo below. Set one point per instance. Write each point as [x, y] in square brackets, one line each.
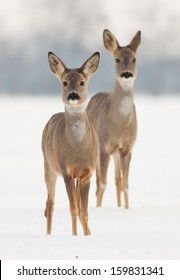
[73, 96]
[126, 75]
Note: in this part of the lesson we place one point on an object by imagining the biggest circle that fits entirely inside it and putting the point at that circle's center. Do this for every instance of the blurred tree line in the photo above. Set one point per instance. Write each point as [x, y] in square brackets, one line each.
[73, 31]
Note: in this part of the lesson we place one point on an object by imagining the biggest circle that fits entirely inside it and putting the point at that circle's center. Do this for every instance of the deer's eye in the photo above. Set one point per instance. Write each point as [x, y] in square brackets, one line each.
[82, 83]
[117, 60]
[64, 83]
[134, 60]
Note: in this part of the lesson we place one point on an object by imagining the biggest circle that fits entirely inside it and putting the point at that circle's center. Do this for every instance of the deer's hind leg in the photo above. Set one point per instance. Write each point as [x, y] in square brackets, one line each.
[50, 179]
[98, 175]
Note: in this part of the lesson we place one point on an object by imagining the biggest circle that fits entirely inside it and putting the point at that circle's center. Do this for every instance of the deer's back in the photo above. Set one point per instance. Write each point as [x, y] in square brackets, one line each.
[51, 141]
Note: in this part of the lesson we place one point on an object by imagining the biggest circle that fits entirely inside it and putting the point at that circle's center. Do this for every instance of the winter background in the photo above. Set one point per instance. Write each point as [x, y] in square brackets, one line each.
[29, 95]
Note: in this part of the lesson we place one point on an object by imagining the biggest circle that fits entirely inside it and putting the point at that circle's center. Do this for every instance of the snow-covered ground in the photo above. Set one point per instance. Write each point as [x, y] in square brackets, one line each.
[150, 229]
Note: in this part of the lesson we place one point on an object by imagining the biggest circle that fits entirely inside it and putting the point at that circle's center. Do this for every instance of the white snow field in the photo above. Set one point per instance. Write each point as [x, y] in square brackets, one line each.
[150, 229]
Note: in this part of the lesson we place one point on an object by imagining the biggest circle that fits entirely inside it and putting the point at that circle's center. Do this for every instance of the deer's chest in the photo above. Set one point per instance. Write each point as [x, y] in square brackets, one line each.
[124, 108]
[78, 130]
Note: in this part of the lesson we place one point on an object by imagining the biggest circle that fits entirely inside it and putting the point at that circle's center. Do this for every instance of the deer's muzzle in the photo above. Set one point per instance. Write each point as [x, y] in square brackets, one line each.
[73, 96]
[126, 75]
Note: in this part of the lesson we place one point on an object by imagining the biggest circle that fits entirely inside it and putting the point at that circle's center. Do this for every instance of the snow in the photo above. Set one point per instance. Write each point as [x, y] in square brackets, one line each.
[150, 229]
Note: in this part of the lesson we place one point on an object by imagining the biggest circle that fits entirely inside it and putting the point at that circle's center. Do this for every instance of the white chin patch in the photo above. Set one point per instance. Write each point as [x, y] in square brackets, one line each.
[75, 109]
[126, 84]
[73, 102]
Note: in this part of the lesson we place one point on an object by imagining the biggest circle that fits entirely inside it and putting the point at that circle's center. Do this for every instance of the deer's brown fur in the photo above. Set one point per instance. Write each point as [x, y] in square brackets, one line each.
[69, 142]
[113, 116]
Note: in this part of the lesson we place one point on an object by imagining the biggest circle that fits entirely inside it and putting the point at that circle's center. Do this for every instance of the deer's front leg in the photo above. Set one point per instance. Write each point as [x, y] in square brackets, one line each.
[70, 187]
[84, 193]
[125, 159]
[104, 162]
[117, 163]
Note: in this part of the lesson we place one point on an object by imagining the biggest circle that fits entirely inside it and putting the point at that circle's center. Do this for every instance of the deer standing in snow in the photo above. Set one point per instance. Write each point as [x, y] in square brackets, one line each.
[113, 117]
[69, 142]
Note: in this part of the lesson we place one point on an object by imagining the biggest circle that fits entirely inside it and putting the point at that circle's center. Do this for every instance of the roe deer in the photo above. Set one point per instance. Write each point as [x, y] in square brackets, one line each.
[113, 117]
[69, 142]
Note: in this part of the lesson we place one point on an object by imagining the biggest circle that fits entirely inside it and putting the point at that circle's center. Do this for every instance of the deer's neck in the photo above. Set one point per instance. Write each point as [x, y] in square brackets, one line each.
[123, 100]
[77, 124]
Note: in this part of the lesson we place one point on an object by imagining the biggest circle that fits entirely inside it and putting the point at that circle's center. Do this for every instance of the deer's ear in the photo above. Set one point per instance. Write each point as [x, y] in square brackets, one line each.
[56, 65]
[91, 65]
[135, 41]
[110, 41]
